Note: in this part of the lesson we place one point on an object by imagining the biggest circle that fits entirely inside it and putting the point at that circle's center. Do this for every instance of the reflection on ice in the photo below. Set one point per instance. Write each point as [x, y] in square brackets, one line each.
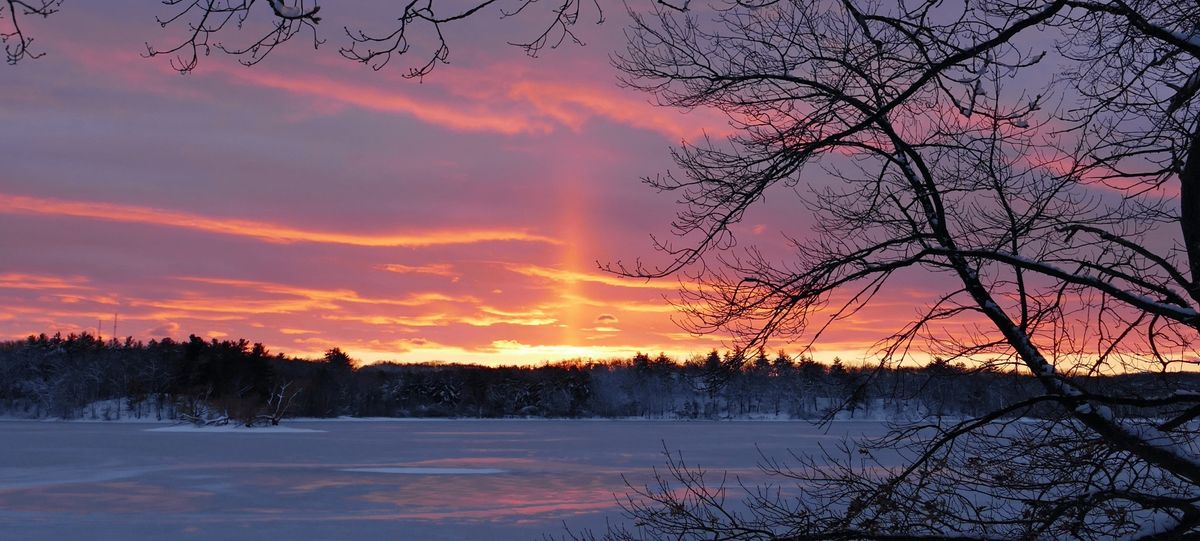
[124, 498]
[433, 480]
[427, 471]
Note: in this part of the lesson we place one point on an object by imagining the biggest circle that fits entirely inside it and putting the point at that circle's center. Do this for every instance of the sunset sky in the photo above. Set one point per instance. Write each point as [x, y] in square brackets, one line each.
[309, 202]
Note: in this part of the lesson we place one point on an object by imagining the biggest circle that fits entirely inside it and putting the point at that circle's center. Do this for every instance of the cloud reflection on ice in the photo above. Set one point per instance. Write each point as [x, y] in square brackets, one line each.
[427, 471]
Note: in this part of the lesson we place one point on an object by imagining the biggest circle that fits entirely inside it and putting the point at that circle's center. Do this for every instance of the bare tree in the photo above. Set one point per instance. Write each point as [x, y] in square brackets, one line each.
[278, 404]
[271, 23]
[16, 41]
[202, 19]
[1035, 204]
[257, 27]
[376, 49]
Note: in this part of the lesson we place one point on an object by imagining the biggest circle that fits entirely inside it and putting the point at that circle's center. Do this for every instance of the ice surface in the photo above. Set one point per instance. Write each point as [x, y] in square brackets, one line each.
[427, 480]
[235, 429]
[428, 471]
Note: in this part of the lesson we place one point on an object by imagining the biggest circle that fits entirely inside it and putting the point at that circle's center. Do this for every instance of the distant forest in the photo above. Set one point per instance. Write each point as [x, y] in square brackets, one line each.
[227, 381]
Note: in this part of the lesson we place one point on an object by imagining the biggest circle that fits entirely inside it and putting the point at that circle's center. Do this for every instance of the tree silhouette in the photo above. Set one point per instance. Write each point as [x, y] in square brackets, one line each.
[1030, 209]
[338, 360]
[249, 30]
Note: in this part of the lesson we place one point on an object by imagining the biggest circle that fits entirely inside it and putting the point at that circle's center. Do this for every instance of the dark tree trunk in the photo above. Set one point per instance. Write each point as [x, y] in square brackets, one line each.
[1189, 210]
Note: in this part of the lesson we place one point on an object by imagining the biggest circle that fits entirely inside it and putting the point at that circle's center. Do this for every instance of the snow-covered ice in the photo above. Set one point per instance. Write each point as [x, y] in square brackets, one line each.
[428, 471]
[233, 429]
[399, 480]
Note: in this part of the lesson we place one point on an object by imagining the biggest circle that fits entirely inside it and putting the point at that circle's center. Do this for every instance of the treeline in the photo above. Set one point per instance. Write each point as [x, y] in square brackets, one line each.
[80, 376]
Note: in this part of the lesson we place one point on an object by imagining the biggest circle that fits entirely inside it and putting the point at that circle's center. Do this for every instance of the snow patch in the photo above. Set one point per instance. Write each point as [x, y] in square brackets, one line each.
[286, 10]
[1191, 39]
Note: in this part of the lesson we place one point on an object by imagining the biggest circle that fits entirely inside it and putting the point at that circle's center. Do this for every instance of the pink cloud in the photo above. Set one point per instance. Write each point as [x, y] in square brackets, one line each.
[265, 231]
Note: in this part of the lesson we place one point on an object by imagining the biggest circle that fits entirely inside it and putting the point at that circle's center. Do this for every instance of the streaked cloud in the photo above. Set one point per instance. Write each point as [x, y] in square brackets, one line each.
[435, 269]
[167, 329]
[13, 280]
[569, 276]
[265, 231]
[572, 104]
[329, 296]
[455, 117]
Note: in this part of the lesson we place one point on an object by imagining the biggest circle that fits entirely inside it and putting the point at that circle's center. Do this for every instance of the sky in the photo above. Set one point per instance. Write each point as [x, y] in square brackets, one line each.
[309, 202]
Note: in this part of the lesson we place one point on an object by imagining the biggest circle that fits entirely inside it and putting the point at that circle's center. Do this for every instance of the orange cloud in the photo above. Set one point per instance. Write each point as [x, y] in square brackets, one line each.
[269, 232]
[75, 299]
[530, 107]
[14, 280]
[493, 101]
[663, 307]
[391, 101]
[569, 276]
[328, 298]
[442, 320]
[427, 320]
[233, 306]
[572, 104]
[436, 269]
[488, 321]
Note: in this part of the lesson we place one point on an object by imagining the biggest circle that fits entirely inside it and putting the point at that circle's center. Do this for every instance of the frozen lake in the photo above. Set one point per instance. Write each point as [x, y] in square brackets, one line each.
[399, 480]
